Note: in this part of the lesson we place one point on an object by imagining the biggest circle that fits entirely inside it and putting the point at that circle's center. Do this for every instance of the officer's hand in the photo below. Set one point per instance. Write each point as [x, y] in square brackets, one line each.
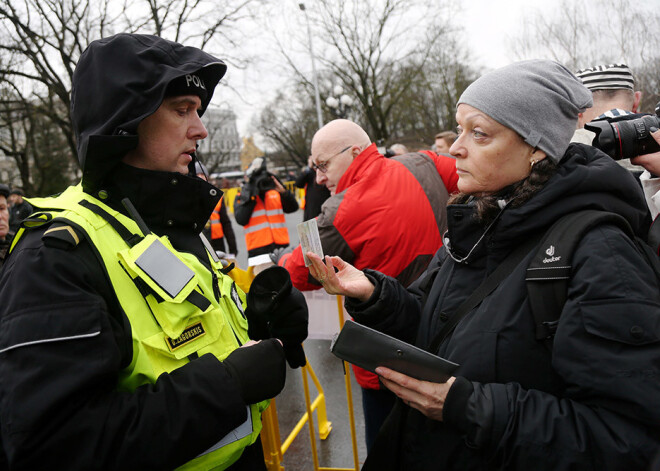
[276, 309]
[258, 368]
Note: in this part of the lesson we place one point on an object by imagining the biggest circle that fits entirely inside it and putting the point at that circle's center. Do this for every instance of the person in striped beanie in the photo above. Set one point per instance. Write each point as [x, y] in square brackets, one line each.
[612, 87]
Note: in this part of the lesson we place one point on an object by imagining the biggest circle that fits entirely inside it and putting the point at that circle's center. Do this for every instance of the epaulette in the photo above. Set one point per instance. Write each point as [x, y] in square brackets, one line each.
[62, 236]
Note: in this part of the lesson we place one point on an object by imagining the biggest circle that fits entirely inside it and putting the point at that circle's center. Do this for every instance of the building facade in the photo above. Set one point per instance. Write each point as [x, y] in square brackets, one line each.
[220, 151]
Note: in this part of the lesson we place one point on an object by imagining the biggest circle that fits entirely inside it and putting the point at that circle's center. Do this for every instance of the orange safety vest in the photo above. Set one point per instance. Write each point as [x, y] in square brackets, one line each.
[216, 225]
[267, 224]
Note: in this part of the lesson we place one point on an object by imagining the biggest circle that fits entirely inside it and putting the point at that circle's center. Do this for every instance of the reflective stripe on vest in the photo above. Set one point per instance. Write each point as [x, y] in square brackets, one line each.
[267, 224]
[191, 330]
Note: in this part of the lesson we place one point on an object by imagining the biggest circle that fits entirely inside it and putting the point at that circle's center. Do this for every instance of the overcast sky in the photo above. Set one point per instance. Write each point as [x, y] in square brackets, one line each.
[489, 25]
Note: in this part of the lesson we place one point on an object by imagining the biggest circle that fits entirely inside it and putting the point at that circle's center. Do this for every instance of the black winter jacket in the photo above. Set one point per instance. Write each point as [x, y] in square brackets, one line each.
[593, 402]
[59, 408]
[59, 404]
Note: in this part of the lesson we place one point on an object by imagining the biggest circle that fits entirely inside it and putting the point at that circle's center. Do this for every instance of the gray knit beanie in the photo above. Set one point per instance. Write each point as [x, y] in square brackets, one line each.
[539, 99]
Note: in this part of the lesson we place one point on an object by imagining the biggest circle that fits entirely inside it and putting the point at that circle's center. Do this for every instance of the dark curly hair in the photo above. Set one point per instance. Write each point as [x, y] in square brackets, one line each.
[516, 194]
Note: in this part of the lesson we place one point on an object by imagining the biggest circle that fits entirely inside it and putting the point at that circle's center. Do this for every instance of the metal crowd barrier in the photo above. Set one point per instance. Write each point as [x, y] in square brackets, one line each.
[274, 448]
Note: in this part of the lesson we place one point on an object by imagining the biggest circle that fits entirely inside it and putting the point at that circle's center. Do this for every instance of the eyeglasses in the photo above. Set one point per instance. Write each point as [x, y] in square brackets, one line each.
[323, 166]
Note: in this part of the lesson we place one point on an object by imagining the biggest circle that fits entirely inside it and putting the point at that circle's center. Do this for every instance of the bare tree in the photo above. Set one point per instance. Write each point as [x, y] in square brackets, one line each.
[429, 105]
[37, 146]
[366, 44]
[591, 32]
[200, 23]
[289, 123]
[567, 38]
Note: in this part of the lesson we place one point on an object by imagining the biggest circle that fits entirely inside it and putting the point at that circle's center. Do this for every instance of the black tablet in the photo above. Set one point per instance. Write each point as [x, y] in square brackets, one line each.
[369, 349]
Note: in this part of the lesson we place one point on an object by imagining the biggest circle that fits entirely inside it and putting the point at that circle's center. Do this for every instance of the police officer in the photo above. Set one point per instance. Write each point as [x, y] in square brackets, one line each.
[260, 207]
[123, 345]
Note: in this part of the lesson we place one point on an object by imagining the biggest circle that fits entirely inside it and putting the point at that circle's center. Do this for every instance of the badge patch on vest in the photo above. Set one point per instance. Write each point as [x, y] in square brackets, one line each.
[191, 333]
[237, 299]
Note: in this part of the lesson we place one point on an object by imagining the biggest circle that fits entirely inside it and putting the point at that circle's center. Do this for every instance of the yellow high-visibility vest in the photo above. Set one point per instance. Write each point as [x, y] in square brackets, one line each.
[185, 320]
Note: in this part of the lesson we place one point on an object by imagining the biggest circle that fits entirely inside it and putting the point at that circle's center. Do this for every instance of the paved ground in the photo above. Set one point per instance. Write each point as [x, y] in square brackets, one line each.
[336, 450]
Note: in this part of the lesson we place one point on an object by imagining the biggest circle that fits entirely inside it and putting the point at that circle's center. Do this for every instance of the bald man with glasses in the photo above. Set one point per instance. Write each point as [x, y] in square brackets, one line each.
[384, 214]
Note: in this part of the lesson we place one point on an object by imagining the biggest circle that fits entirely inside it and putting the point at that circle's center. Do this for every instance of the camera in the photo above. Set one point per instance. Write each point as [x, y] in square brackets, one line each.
[259, 177]
[625, 137]
[261, 180]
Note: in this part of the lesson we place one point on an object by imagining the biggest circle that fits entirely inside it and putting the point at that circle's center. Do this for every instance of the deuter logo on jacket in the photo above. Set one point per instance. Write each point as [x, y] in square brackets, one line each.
[550, 252]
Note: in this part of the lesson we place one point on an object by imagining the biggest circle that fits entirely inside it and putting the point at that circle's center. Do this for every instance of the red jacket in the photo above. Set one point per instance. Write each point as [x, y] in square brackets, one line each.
[388, 215]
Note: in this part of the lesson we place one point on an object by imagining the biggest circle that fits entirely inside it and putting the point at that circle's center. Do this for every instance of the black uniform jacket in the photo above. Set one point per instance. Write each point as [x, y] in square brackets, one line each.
[59, 407]
[590, 403]
[59, 404]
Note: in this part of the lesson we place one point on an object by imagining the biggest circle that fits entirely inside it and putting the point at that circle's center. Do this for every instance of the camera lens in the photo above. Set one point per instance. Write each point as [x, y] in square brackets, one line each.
[607, 138]
[627, 138]
[635, 136]
[264, 182]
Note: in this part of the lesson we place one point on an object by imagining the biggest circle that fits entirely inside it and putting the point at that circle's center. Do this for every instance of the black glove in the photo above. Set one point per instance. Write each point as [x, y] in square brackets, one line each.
[276, 309]
[258, 369]
[248, 190]
[277, 254]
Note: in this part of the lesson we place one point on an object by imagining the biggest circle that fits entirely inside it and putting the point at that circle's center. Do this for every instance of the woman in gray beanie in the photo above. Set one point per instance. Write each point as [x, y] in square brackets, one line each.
[588, 398]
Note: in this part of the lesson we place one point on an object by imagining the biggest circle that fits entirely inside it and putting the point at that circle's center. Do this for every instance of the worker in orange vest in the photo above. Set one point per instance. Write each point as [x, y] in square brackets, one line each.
[260, 207]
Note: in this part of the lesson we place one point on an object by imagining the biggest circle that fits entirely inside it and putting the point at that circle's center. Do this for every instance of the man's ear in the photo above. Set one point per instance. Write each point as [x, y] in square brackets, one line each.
[638, 98]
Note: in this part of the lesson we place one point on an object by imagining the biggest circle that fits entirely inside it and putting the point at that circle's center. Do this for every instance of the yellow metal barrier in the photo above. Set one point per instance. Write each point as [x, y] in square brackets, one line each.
[319, 405]
[230, 196]
[242, 278]
[274, 450]
[270, 438]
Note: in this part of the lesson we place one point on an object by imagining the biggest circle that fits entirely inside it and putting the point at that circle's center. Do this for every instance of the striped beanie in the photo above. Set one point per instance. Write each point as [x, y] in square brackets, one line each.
[607, 77]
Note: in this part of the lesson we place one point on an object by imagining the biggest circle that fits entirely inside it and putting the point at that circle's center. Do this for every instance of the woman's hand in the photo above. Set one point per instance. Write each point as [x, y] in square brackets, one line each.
[426, 397]
[347, 281]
